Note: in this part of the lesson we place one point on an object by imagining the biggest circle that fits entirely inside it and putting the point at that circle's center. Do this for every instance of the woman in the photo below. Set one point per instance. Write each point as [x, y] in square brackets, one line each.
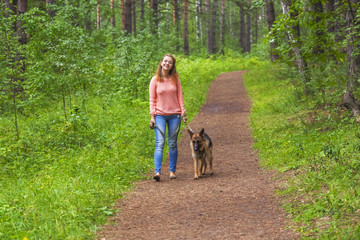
[166, 108]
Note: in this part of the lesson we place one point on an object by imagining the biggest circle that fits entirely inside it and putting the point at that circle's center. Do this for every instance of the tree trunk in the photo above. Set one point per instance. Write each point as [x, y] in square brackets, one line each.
[154, 25]
[198, 19]
[242, 27]
[142, 14]
[222, 26]
[98, 19]
[186, 30]
[353, 58]
[295, 43]
[50, 11]
[134, 17]
[248, 31]
[270, 13]
[128, 17]
[318, 11]
[123, 15]
[352, 104]
[256, 27]
[213, 47]
[88, 21]
[112, 13]
[208, 33]
[176, 22]
[330, 10]
[21, 9]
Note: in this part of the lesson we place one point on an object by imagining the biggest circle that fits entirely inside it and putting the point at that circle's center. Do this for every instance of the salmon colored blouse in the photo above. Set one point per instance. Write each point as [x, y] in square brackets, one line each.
[165, 97]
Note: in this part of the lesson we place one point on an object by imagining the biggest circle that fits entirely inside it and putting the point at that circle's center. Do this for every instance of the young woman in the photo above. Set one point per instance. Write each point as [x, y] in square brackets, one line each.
[166, 108]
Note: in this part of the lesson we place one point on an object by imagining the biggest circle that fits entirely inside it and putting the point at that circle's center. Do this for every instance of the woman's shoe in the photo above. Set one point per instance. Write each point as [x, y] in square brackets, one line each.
[157, 177]
[172, 175]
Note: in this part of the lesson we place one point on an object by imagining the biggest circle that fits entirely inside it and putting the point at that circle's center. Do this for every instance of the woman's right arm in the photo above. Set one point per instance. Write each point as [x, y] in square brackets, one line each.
[152, 98]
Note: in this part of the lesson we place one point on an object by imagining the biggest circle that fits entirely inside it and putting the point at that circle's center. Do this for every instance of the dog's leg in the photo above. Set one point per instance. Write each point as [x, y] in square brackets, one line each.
[196, 176]
[210, 159]
[203, 166]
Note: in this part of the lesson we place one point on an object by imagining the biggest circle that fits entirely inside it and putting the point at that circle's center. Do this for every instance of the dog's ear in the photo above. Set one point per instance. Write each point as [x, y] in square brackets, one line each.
[191, 133]
[202, 132]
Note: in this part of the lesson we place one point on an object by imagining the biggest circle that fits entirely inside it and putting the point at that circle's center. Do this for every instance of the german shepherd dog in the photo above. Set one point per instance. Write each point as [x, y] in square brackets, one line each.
[201, 148]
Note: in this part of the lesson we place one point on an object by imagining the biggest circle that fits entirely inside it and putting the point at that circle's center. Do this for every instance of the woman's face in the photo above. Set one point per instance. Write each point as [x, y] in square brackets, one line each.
[167, 63]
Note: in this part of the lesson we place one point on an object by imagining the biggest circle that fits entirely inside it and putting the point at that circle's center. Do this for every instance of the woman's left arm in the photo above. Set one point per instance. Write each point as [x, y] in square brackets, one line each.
[181, 100]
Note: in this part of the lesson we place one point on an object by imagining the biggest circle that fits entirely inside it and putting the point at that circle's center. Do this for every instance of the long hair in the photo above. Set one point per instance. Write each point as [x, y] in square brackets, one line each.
[172, 73]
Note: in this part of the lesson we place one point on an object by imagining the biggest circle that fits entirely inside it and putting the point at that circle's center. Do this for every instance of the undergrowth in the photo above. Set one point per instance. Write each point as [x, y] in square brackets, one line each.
[61, 179]
[315, 145]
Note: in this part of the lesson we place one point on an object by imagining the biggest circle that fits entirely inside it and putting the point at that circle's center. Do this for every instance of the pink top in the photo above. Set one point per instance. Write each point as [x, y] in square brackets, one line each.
[165, 98]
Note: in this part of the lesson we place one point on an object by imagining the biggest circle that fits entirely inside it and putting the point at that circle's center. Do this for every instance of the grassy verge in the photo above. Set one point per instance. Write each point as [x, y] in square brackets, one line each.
[62, 178]
[316, 147]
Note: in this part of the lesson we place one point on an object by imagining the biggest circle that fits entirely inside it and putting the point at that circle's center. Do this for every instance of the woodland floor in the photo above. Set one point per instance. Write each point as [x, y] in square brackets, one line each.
[237, 202]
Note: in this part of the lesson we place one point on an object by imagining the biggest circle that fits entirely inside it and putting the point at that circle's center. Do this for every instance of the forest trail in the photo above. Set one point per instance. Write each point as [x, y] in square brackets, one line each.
[237, 202]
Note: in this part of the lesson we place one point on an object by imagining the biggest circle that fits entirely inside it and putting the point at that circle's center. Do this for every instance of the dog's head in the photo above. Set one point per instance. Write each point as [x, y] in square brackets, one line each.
[197, 139]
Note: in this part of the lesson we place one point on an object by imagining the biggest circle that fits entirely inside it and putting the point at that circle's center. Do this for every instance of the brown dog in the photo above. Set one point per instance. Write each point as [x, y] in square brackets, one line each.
[201, 148]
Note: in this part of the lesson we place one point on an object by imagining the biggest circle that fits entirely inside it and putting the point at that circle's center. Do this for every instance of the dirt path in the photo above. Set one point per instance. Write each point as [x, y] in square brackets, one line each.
[237, 202]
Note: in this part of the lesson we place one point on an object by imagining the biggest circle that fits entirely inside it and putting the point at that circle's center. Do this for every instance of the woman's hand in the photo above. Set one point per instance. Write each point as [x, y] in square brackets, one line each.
[152, 123]
[184, 118]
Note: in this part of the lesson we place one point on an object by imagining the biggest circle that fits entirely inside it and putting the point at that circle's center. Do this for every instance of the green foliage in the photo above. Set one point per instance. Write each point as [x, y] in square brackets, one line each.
[61, 179]
[320, 44]
[317, 146]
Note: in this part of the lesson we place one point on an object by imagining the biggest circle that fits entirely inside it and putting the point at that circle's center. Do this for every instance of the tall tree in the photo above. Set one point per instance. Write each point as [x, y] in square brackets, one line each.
[112, 13]
[21, 9]
[142, 14]
[293, 33]
[222, 26]
[208, 28]
[256, 24]
[353, 57]
[213, 47]
[154, 23]
[98, 19]
[248, 29]
[176, 22]
[134, 17]
[242, 27]
[87, 18]
[270, 13]
[128, 17]
[123, 15]
[198, 19]
[186, 29]
[317, 13]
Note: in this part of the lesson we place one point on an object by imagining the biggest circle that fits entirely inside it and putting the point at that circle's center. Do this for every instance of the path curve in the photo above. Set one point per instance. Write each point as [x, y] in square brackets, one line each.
[237, 202]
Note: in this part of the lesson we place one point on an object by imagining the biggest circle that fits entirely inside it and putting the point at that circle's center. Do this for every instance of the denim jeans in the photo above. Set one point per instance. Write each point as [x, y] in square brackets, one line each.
[173, 123]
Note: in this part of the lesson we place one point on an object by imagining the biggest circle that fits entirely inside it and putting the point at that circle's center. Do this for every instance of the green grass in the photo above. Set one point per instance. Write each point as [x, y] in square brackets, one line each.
[316, 149]
[63, 177]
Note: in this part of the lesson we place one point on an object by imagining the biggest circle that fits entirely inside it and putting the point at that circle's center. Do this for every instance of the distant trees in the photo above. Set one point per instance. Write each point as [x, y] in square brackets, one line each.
[210, 18]
[314, 37]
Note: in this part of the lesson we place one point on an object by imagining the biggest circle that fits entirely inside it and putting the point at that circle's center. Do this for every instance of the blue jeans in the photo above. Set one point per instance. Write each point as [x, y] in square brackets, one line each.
[173, 122]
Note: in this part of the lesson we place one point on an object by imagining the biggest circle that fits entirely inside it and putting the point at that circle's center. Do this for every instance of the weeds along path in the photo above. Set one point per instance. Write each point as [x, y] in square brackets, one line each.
[237, 202]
